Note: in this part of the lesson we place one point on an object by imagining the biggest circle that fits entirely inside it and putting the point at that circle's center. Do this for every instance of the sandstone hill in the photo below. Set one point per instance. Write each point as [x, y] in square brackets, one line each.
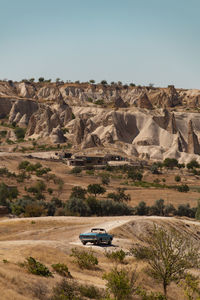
[140, 122]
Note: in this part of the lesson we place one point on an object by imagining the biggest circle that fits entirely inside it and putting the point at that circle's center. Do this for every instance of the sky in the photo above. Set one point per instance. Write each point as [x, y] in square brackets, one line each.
[138, 41]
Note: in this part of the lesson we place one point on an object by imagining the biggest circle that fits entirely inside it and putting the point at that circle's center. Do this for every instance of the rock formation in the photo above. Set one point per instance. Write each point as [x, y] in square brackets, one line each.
[193, 143]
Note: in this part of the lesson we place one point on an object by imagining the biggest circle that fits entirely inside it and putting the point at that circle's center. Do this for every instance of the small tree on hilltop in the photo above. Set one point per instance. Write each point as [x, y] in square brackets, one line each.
[169, 255]
[96, 189]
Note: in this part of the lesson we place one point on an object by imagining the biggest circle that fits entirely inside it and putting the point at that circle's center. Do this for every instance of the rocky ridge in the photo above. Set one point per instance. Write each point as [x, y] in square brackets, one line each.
[150, 123]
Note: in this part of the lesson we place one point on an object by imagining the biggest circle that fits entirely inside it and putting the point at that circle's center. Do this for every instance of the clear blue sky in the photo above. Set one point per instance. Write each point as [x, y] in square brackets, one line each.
[140, 41]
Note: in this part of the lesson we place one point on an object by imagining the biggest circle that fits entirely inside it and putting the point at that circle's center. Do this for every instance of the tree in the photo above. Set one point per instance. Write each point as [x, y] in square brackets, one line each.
[104, 82]
[78, 192]
[184, 188]
[158, 208]
[170, 163]
[77, 207]
[96, 189]
[119, 283]
[135, 176]
[197, 215]
[105, 179]
[92, 81]
[41, 79]
[142, 209]
[193, 164]
[177, 178]
[169, 255]
[120, 196]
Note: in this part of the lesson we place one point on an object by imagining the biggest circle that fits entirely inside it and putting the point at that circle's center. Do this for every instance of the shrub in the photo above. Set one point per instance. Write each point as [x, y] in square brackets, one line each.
[77, 207]
[119, 283]
[177, 178]
[65, 290]
[23, 164]
[7, 194]
[34, 210]
[105, 178]
[112, 208]
[78, 192]
[35, 267]
[185, 210]
[99, 102]
[62, 270]
[84, 259]
[184, 188]
[142, 209]
[134, 175]
[170, 163]
[91, 292]
[104, 82]
[193, 164]
[120, 196]
[20, 132]
[117, 256]
[50, 191]
[76, 170]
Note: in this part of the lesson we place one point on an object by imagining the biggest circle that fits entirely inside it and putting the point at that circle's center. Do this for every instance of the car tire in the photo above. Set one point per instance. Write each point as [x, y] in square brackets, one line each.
[84, 243]
[99, 242]
[109, 242]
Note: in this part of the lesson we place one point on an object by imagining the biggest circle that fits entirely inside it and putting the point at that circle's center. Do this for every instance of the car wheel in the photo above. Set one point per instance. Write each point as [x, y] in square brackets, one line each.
[109, 242]
[84, 243]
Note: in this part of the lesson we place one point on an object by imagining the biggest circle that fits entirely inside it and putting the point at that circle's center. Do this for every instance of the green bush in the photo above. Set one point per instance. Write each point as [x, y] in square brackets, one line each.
[119, 284]
[65, 290]
[76, 170]
[120, 196]
[117, 256]
[34, 210]
[142, 209]
[177, 178]
[78, 192]
[91, 292]
[84, 259]
[20, 132]
[35, 267]
[135, 176]
[23, 165]
[170, 163]
[77, 207]
[99, 102]
[184, 188]
[193, 164]
[62, 270]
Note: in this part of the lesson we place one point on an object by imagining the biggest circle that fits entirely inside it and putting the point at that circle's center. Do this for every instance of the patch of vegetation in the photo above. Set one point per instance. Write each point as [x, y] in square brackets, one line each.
[76, 170]
[120, 284]
[20, 133]
[120, 195]
[84, 259]
[99, 102]
[35, 267]
[62, 270]
[116, 256]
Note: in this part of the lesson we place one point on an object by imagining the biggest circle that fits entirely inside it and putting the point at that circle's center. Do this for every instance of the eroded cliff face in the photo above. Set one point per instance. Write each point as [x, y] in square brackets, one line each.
[138, 121]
